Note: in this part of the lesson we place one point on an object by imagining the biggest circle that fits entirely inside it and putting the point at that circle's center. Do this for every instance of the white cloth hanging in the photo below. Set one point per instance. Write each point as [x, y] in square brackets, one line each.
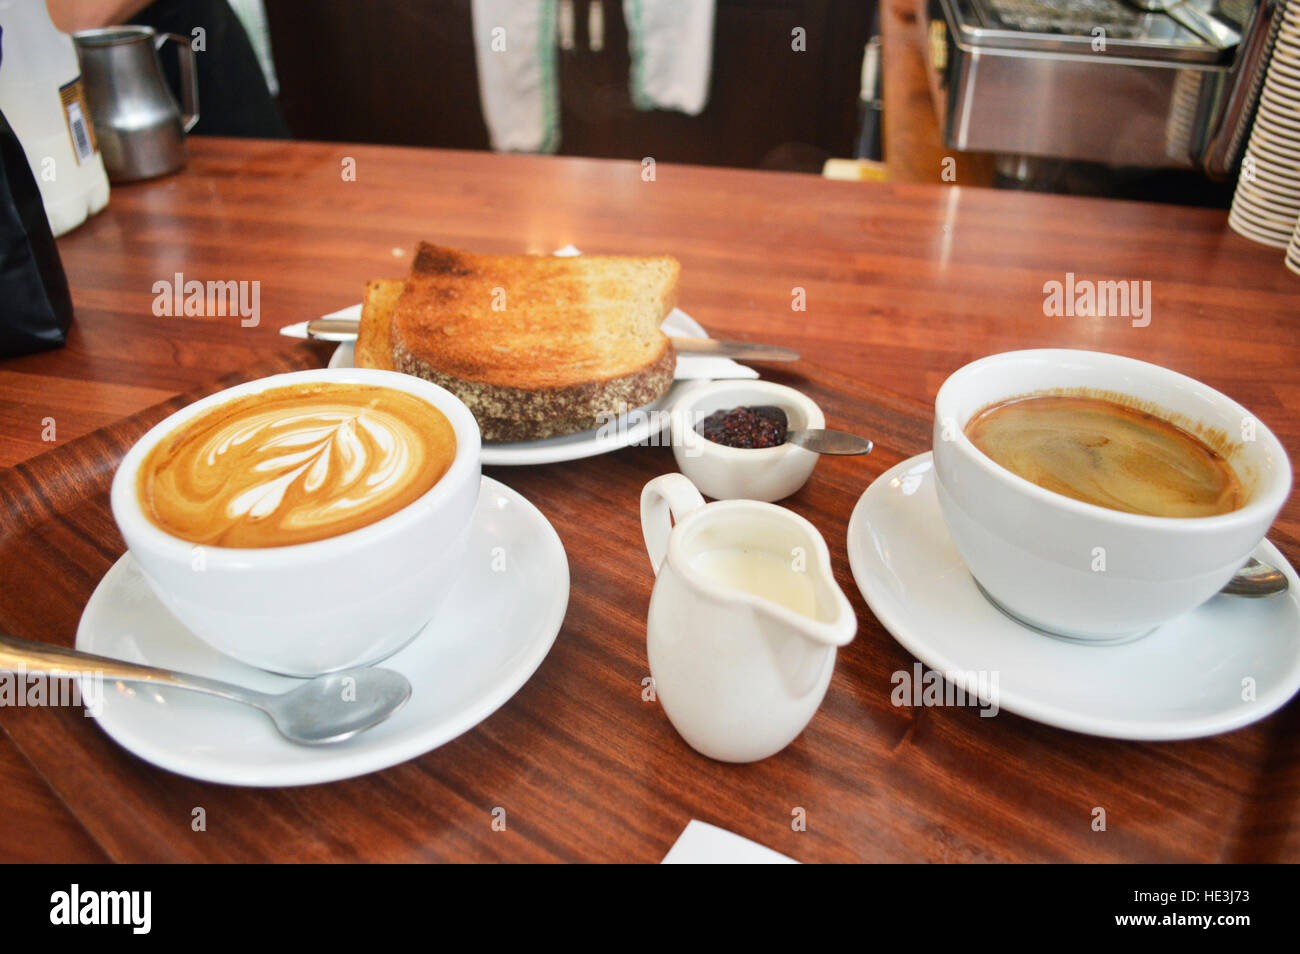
[671, 43]
[514, 44]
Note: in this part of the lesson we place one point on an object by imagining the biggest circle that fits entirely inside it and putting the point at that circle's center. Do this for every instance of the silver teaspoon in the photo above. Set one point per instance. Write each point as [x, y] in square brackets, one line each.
[325, 709]
[829, 442]
[820, 440]
[1256, 579]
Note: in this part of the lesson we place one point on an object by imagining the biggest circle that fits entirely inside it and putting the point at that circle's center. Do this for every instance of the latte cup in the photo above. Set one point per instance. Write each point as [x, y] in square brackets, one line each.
[315, 607]
[1076, 569]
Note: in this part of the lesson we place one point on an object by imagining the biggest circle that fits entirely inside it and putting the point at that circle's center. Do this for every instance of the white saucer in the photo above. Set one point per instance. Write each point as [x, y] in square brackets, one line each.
[491, 635]
[1182, 681]
[634, 428]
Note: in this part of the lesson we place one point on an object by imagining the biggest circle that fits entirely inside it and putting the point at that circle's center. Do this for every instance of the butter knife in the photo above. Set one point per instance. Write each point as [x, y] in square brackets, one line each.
[345, 329]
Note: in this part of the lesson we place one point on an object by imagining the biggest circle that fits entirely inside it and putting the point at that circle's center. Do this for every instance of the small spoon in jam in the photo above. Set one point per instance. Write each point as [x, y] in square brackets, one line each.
[766, 425]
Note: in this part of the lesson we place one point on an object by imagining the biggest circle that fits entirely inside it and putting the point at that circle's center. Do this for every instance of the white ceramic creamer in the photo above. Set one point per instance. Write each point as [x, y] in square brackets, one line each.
[744, 619]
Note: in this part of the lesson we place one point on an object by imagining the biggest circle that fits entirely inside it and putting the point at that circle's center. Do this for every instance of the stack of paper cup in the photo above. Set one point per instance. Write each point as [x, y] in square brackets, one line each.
[1266, 205]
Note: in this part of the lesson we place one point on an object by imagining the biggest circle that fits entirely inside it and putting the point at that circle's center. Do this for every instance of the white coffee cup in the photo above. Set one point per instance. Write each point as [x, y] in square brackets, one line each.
[309, 608]
[1080, 570]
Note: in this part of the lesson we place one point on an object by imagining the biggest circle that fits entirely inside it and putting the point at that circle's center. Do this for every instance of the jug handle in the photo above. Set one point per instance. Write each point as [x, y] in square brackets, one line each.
[189, 82]
[664, 501]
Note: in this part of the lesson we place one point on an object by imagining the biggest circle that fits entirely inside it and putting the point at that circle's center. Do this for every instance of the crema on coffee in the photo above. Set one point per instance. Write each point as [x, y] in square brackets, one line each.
[1106, 453]
[295, 464]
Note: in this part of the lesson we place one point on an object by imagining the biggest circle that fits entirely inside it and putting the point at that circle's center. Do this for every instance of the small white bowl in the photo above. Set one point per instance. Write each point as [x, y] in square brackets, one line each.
[743, 473]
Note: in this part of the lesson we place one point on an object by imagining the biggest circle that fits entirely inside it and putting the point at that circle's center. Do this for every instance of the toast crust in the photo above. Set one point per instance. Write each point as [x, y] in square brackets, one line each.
[531, 414]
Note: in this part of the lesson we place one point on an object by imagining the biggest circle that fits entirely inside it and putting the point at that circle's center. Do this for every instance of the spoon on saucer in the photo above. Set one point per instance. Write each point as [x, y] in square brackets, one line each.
[817, 439]
[322, 710]
[1256, 579]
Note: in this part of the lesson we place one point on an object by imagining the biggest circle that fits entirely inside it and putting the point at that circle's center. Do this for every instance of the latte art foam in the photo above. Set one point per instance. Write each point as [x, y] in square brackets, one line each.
[295, 464]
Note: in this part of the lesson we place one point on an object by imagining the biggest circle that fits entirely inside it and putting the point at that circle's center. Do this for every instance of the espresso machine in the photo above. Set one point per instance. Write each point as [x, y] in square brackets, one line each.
[1148, 84]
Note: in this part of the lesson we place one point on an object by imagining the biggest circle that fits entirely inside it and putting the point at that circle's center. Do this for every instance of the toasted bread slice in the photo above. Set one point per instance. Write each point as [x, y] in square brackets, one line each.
[374, 350]
[534, 345]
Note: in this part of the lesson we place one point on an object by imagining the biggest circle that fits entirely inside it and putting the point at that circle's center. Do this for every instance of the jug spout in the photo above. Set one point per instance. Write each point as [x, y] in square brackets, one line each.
[834, 622]
[820, 613]
[750, 555]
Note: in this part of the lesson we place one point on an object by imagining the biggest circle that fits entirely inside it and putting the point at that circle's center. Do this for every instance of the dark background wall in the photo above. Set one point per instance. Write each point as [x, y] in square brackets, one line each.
[403, 72]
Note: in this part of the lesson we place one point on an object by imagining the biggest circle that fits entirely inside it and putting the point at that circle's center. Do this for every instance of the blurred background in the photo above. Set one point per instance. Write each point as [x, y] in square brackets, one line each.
[767, 104]
[1147, 99]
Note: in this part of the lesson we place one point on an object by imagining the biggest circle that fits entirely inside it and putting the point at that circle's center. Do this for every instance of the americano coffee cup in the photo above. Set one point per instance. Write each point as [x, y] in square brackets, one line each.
[1077, 569]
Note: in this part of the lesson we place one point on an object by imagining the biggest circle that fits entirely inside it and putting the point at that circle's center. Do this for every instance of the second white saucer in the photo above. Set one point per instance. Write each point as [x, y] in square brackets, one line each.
[1224, 665]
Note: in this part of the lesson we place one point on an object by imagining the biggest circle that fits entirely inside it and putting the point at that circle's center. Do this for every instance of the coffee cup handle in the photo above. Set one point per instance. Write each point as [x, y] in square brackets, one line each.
[664, 501]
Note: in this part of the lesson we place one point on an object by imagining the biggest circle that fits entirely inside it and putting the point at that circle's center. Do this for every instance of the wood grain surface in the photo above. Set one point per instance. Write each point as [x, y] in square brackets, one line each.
[904, 283]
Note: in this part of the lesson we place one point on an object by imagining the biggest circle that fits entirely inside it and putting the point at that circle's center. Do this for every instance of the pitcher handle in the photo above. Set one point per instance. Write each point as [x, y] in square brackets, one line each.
[189, 81]
[664, 501]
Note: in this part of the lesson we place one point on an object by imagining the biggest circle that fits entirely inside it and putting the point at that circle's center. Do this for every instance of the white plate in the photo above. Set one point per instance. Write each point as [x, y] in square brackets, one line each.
[1244, 207]
[1243, 223]
[1284, 77]
[1252, 200]
[1285, 153]
[1182, 681]
[1280, 96]
[1283, 164]
[1264, 209]
[1266, 191]
[1287, 47]
[634, 428]
[487, 640]
[1265, 122]
[1283, 121]
[1261, 229]
[1277, 175]
[1278, 110]
[1284, 61]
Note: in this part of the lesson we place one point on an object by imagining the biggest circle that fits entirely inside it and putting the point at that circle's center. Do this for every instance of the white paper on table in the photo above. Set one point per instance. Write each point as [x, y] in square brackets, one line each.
[703, 844]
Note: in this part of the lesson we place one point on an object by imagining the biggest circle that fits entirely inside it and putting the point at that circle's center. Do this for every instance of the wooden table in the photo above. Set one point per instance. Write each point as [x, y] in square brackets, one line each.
[904, 283]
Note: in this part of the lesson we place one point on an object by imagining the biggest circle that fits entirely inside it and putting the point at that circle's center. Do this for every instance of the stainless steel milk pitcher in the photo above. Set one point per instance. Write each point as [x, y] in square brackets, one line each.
[140, 128]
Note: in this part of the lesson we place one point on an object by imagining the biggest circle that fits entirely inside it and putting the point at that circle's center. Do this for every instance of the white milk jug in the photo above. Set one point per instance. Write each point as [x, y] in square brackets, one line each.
[744, 619]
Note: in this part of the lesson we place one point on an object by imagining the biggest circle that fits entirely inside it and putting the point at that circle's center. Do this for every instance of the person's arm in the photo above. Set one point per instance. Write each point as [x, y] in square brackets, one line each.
[72, 15]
